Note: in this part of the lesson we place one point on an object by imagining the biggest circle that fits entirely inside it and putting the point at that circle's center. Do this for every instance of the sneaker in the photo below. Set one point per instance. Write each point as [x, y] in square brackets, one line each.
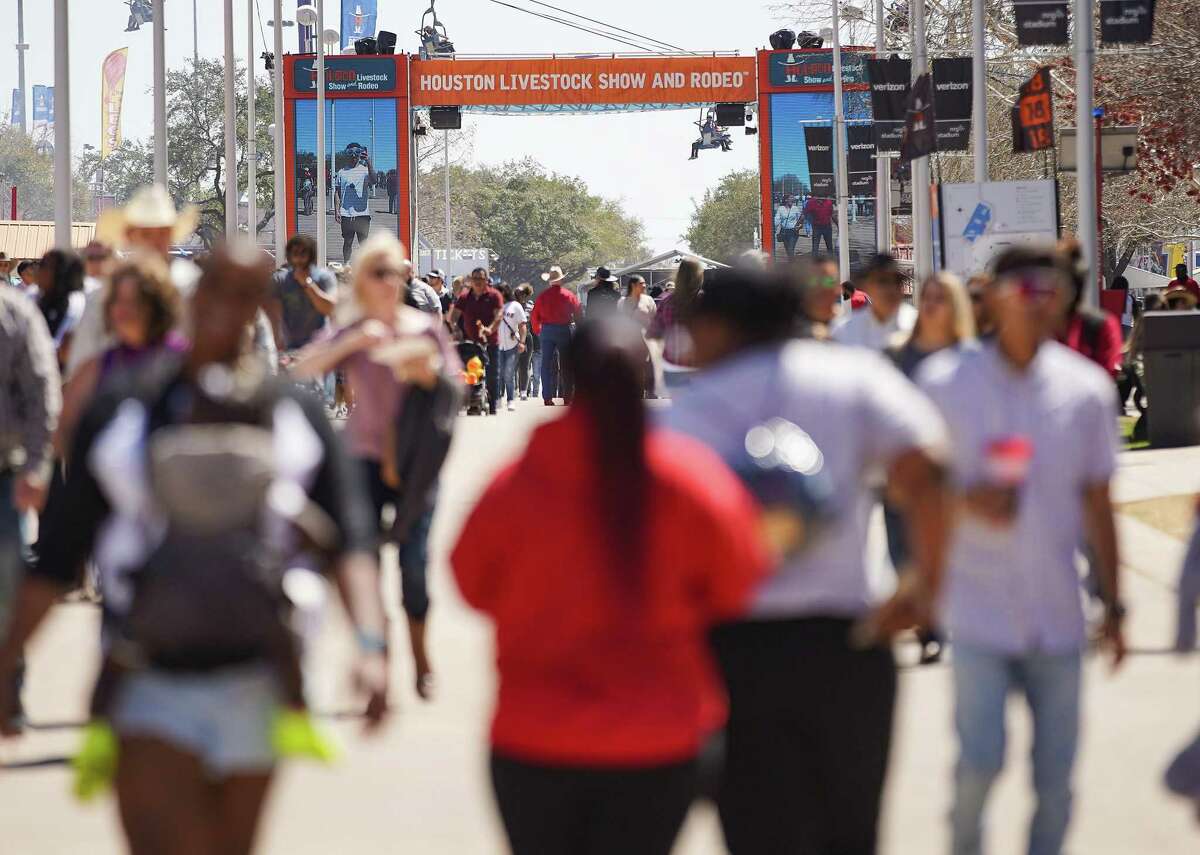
[512, 408]
[548, 402]
[524, 396]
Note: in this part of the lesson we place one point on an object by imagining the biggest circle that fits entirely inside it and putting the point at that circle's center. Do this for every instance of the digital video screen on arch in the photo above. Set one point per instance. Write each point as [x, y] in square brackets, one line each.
[362, 178]
[792, 181]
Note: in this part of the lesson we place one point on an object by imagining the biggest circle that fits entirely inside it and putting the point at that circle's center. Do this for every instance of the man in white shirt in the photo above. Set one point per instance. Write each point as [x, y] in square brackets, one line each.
[888, 316]
[788, 217]
[351, 203]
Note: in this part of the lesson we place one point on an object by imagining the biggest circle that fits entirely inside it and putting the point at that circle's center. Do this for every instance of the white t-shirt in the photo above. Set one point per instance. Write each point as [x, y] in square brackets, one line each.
[863, 329]
[643, 312]
[510, 325]
[351, 183]
[859, 410]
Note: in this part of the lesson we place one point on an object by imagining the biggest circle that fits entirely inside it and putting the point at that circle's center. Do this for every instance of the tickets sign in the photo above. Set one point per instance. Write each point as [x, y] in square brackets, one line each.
[570, 81]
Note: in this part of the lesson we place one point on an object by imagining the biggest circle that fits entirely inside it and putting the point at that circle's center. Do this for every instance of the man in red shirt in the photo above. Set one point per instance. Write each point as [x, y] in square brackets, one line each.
[480, 309]
[819, 213]
[553, 314]
[1182, 280]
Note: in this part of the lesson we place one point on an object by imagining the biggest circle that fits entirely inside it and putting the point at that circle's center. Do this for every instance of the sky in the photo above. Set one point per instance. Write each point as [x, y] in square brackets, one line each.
[640, 158]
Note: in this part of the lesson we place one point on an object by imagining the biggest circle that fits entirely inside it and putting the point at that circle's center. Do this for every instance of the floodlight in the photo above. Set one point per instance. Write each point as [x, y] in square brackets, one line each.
[782, 39]
[808, 41]
[366, 45]
[306, 16]
[386, 41]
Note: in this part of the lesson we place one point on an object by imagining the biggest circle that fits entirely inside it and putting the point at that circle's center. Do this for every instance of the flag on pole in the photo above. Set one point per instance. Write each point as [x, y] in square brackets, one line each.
[919, 137]
[1033, 114]
[358, 20]
[18, 109]
[112, 91]
[41, 107]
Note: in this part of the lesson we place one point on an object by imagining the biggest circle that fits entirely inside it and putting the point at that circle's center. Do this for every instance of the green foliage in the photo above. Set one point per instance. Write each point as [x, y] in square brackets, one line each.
[723, 223]
[531, 218]
[196, 169]
[32, 173]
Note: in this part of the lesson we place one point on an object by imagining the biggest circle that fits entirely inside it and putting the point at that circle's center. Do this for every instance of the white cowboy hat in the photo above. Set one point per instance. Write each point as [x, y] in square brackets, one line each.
[555, 275]
[149, 208]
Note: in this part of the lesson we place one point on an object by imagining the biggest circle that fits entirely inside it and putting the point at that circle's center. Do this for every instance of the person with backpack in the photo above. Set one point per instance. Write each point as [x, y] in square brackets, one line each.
[1090, 332]
[209, 485]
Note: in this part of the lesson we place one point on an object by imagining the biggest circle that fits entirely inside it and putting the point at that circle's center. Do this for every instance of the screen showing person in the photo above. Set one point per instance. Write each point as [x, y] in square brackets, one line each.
[362, 168]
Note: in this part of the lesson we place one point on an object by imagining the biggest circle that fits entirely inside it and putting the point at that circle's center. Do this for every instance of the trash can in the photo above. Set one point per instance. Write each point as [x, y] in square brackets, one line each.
[1171, 355]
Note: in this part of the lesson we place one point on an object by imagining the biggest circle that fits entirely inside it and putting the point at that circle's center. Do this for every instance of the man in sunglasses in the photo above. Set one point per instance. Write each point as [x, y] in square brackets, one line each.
[886, 317]
[1033, 443]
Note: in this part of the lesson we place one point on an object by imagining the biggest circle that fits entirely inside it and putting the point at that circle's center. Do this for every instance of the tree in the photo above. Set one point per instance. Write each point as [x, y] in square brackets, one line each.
[724, 223]
[196, 169]
[32, 173]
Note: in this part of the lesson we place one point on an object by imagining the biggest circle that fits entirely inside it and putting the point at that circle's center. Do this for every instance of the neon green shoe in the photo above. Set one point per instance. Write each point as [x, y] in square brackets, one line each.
[96, 763]
[295, 734]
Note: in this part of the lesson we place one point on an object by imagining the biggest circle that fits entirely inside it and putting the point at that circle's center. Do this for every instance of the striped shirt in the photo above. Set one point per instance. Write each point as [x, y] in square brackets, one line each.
[30, 393]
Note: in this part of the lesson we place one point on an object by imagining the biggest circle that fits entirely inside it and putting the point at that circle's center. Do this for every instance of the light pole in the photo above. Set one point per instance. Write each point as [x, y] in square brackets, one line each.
[231, 181]
[1085, 147]
[922, 218]
[251, 127]
[195, 35]
[322, 236]
[839, 149]
[883, 174]
[979, 90]
[280, 180]
[446, 188]
[62, 127]
[160, 94]
[21, 48]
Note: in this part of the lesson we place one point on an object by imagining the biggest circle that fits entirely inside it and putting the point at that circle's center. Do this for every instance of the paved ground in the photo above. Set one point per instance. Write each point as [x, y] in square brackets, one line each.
[421, 788]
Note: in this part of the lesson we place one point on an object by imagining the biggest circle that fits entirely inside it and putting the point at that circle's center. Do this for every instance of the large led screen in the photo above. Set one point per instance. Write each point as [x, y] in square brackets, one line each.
[803, 220]
[362, 178]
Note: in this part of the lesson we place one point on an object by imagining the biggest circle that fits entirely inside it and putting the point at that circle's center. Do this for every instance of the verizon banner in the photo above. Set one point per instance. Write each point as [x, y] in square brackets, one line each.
[1126, 21]
[889, 80]
[952, 102]
[860, 161]
[1041, 22]
[818, 141]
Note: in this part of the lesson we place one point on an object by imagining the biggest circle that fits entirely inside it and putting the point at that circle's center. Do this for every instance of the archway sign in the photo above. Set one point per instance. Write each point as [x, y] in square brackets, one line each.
[370, 102]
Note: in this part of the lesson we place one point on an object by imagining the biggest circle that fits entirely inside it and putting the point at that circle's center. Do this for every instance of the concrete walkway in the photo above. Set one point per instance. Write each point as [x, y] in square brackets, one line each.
[421, 788]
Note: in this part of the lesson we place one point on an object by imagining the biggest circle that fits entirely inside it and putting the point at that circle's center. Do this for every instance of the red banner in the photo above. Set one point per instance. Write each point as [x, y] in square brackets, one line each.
[505, 82]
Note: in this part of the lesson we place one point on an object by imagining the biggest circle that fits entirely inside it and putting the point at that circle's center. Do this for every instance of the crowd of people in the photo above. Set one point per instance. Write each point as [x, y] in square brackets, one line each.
[708, 628]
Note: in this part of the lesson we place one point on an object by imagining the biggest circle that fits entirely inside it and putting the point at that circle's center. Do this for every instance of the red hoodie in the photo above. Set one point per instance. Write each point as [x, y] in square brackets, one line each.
[588, 676]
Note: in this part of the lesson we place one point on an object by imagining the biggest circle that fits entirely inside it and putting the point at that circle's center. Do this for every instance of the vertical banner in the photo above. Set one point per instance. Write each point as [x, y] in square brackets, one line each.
[18, 110]
[920, 129]
[1126, 21]
[952, 102]
[1033, 114]
[860, 161]
[41, 107]
[358, 20]
[890, 80]
[1041, 22]
[818, 142]
[112, 90]
[304, 34]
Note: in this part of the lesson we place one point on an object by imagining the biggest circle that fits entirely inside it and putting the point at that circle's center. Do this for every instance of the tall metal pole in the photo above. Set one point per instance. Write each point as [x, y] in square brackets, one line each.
[839, 150]
[979, 90]
[195, 35]
[446, 188]
[231, 179]
[321, 213]
[922, 219]
[160, 94]
[21, 48]
[62, 127]
[883, 173]
[251, 130]
[1085, 145]
[281, 234]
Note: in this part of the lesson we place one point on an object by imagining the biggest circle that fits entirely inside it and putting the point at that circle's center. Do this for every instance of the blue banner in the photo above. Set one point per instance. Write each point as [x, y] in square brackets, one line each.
[359, 18]
[18, 109]
[50, 105]
[41, 106]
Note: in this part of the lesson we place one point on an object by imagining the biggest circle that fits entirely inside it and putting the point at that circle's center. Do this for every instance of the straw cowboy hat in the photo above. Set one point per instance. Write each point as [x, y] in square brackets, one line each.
[1178, 294]
[149, 208]
[555, 275]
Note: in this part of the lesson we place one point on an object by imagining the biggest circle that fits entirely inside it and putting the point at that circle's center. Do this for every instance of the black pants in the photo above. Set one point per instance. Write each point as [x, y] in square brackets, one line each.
[353, 227]
[493, 376]
[819, 232]
[414, 551]
[567, 810]
[810, 725]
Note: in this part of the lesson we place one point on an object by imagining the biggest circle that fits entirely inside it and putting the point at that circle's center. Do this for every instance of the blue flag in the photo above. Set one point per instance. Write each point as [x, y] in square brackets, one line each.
[50, 106]
[41, 106]
[18, 109]
[359, 18]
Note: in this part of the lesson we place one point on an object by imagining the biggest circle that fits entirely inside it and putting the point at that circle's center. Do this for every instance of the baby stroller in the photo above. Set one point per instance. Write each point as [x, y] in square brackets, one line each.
[474, 359]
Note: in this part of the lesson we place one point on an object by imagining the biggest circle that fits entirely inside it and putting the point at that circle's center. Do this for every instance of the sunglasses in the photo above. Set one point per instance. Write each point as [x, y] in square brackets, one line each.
[385, 272]
[829, 282]
[1035, 287]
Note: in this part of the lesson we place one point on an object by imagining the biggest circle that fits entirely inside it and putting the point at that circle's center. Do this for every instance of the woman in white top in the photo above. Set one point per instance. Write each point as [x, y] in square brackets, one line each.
[638, 304]
[513, 326]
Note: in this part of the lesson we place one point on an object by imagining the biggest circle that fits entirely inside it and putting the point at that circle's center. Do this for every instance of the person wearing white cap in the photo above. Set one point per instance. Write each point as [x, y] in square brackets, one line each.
[554, 313]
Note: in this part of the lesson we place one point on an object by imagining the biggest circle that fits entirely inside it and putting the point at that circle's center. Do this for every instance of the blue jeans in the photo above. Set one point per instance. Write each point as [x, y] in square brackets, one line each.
[13, 555]
[1051, 685]
[535, 374]
[555, 338]
[508, 372]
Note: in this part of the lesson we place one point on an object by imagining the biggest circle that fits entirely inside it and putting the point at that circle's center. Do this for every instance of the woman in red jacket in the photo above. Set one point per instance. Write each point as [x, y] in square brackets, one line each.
[606, 687]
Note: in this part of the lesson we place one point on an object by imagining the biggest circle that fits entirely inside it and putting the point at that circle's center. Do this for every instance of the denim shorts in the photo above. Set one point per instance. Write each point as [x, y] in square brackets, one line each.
[223, 717]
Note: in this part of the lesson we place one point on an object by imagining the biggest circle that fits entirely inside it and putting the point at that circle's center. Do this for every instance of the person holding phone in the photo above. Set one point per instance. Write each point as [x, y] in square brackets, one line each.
[351, 202]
